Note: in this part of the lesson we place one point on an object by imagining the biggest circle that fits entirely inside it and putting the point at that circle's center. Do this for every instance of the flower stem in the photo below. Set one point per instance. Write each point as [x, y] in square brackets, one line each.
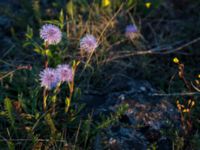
[45, 90]
[44, 99]
[71, 87]
[54, 98]
[46, 57]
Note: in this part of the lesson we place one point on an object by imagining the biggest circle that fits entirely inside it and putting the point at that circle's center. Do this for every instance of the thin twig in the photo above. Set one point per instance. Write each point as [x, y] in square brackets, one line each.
[197, 89]
[28, 67]
[183, 46]
[152, 51]
[9, 73]
[175, 94]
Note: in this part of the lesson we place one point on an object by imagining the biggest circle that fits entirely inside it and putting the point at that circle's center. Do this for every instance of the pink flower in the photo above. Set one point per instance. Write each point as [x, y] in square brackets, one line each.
[49, 78]
[51, 34]
[88, 43]
[65, 73]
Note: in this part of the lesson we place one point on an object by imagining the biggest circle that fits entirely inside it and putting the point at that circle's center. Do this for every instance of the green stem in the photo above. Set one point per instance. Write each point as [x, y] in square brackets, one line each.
[44, 99]
[46, 57]
[54, 98]
[71, 87]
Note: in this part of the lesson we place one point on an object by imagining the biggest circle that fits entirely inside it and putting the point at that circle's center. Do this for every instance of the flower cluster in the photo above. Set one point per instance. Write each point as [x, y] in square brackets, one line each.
[51, 34]
[131, 31]
[63, 73]
[88, 43]
[187, 107]
[50, 77]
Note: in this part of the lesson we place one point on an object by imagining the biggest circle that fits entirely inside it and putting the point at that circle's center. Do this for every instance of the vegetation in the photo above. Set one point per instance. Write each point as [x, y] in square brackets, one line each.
[153, 40]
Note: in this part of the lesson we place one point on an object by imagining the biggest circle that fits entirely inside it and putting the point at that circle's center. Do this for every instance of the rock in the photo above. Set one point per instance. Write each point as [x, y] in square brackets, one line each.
[144, 119]
[126, 139]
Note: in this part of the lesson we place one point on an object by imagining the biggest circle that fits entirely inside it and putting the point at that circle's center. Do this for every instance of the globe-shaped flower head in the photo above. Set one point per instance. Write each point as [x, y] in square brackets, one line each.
[50, 34]
[65, 73]
[131, 31]
[88, 43]
[49, 78]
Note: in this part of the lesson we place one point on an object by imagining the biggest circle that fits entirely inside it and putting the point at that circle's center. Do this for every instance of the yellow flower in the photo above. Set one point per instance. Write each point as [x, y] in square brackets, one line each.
[176, 60]
[193, 103]
[179, 107]
[105, 3]
[186, 110]
[198, 75]
[148, 4]
[189, 101]
[177, 102]
[197, 81]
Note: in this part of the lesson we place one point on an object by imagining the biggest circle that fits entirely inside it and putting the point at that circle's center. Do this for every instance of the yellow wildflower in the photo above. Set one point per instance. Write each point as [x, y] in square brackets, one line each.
[189, 101]
[186, 110]
[198, 75]
[105, 3]
[193, 103]
[177, 102]
[176, 60]
[179, 106]
[148, 4]
[197, 82]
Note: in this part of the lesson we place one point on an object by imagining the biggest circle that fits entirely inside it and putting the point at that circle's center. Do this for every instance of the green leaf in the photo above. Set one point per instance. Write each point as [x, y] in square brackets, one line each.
[37, 115]
[11, 145]
[53, 98]
[131, 3]
[25, 44]
[38, 50]
[22, 102]
[47, 52]
[67, 104]
[77, 94]
[61, 19]
[29, 32]
[70, 8]
[51, 124]
[9, 110]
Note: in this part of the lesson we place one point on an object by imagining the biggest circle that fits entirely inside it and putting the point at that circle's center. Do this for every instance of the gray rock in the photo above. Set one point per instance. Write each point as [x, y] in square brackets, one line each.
[144, 118]
[127, 139]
